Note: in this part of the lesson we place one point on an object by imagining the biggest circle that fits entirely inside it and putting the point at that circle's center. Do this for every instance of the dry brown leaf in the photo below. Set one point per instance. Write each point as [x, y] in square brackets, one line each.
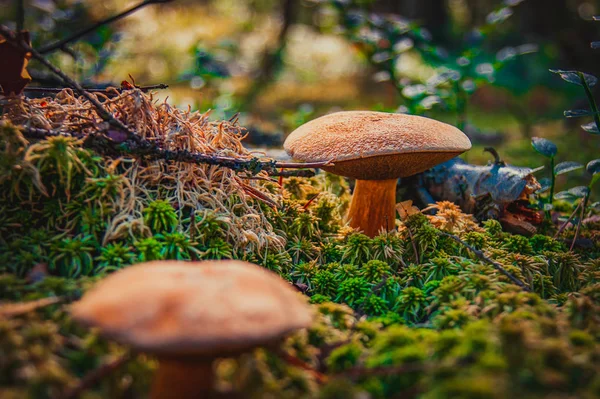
[13, 65]
[406, 209]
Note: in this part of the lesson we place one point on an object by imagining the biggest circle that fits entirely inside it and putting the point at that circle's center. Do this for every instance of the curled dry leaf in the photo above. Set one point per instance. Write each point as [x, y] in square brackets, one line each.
[406, 209]
[13, 65]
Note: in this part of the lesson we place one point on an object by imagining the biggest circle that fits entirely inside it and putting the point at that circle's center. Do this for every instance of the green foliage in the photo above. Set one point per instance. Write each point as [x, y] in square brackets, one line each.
[375, 270]
[160, 216]
[149, 249]
[352, 290]
[357, 249]
[411, 304]
[115, 256]
[73, 257]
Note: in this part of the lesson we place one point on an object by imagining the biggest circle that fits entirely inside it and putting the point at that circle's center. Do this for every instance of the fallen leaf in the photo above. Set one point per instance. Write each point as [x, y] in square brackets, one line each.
[13, 65]
[406, 209]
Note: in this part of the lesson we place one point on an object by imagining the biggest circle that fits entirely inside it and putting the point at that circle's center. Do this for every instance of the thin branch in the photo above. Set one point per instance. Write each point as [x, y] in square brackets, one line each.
[75, 37]
[139, 146]
[151, 151]
[272, 58]
[479, 254]
[359, 372]
[104, 114]
[20, 15]
[19, 308]
[107, 91]
[37, 133]
[94, 376]
[581, 215]
[294, 361]
[414, 245]
[562, 227]
[296, 173]
[307, 165]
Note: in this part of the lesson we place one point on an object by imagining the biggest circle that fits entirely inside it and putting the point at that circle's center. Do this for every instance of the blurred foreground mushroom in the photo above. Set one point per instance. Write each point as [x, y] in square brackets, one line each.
[190, 313]
[375, 148]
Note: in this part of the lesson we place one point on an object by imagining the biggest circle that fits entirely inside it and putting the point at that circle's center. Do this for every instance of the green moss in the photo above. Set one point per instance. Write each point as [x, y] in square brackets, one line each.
[452, 324]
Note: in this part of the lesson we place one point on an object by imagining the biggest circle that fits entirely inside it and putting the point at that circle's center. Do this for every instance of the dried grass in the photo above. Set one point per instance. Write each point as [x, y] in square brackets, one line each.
[197, 186]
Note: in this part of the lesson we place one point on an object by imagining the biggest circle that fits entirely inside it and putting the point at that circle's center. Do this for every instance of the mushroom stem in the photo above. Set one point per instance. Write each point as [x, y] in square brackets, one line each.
[373, 206]
[183, 379]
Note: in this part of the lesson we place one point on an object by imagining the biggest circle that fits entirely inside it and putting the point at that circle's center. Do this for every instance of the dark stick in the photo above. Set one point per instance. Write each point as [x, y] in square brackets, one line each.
[94, 376]
[271, 58]
[104, 114]
[296, 173]
[487, 260]
[20, 15]
[37, 133]
[141, 146]
[562, 227]
[62, 43]
[359, 372]
[412, 241]
[581, 215]
[151, 151]
[94, 89]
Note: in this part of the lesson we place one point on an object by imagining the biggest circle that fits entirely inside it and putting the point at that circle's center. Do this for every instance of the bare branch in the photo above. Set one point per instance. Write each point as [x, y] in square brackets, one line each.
[104, 114]
[75, 37]
[487, 260]
[106, 91]
[94, 376]
[149, 150]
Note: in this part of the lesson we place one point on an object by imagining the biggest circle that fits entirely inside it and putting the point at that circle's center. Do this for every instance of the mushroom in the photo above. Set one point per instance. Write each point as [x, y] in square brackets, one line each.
[190, 313]
[375, 148]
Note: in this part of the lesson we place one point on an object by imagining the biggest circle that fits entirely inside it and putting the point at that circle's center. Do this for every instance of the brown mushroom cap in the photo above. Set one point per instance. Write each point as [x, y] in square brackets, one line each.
[193, 308]
[371, 145]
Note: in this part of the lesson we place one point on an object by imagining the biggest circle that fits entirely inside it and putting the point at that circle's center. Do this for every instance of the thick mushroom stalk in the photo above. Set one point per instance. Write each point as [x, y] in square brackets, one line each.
[183, 379]
[373, 206]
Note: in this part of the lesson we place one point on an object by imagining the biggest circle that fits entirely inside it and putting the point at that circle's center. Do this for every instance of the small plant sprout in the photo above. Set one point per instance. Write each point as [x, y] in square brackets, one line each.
[586, 81]
[189, 314]
[549, 150]
[375, 148]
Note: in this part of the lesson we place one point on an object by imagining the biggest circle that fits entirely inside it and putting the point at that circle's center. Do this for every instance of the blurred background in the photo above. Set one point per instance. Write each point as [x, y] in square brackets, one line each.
[482, 65]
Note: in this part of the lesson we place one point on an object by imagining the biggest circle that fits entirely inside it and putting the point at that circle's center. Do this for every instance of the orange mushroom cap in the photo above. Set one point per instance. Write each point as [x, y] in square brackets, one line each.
[193, 308]
[370, 145]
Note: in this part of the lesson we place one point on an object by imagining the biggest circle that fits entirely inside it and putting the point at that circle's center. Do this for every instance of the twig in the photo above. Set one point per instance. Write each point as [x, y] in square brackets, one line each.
[151, 151]
[37, 133]
[479, 254]
[107, 91]
[582, 204]
[412, 241]
[73, 38]
[294, 361]
[19, 308]
[271, 58]
[142, 147]
[359, 372]
[307, 165]
[562, 227]
[104, 114]
[94, 376]
[20, 15]
[296, 173]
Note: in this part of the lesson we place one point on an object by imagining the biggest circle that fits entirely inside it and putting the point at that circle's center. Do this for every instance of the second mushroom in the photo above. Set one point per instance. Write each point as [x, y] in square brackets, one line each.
[376, 149]
[190, 313]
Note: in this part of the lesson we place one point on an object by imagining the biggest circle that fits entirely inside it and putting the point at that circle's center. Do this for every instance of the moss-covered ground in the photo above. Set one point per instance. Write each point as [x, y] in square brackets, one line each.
[408, 313]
